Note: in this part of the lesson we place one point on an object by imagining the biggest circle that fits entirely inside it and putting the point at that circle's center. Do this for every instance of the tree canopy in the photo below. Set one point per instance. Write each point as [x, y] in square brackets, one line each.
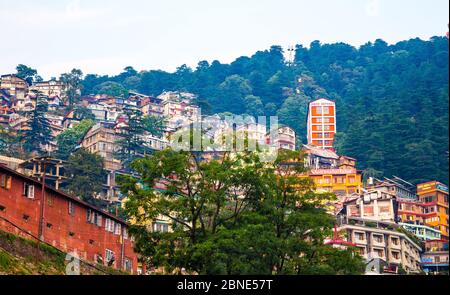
[392, 100]
[232, 215]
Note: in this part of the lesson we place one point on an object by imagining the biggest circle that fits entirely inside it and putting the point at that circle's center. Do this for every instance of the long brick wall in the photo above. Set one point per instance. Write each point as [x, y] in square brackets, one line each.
[70, 225]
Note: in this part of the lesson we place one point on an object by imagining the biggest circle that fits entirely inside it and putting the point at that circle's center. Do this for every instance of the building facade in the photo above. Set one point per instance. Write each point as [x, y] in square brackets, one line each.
[64, 222]
[434, 198]
[423, 232]
[321, 123]
[332, 173]
[381, 240]
[15, 86]
[435, 259]
[285, 139]
[50, 88]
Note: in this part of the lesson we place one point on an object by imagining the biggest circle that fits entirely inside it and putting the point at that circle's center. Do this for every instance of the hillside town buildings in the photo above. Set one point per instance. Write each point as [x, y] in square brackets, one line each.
[16, 87]
[390, 220]
[52, 88]
[332, 173]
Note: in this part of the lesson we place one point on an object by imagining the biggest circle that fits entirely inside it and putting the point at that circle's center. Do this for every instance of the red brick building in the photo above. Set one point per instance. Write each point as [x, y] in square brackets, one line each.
[69, 224]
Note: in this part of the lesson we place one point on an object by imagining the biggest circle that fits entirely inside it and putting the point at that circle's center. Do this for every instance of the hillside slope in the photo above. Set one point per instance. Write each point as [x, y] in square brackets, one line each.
[19, 256]
[392, 100]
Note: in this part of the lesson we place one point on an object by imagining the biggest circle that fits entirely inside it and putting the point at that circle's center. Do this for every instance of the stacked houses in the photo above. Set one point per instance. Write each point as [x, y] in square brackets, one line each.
[395, 225]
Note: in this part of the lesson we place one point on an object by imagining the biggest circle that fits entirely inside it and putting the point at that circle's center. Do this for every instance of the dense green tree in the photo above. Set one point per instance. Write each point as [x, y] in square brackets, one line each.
[86, 175]
[26, 73]
[131, 143]
[83, 113]
[73, 85]
[111, 88]
[71, 138]
[154, 125]
[234, 215]
[253, 106]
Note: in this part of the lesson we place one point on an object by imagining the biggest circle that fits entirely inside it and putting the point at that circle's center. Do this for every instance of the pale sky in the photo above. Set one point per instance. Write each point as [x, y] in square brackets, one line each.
[99, 36]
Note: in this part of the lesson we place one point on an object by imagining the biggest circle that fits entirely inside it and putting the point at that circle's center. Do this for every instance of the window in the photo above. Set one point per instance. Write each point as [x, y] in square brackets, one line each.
[117, 228]
[362, 251]
[89, 216]
[71, 208]
[379, 253]
[99, 220]
[26, 217]
[28, 190]
[395, 241]
[396, 255]
[110, 257]
[160, 227]
[360, 236]
[128, 265]
[326, 110]
[378, 239]
[109, 225]
[49, 225]
[2, 208]
[125, 233]
[5, 181]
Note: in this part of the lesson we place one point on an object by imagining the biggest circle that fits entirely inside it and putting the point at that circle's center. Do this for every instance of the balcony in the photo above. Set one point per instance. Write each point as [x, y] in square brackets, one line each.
[359, 238]
[378, 240]
[395, 257]
[394, 243]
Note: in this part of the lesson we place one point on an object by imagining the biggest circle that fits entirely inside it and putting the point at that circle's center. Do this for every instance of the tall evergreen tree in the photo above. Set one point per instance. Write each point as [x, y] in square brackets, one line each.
[131, 137]
[37, 134]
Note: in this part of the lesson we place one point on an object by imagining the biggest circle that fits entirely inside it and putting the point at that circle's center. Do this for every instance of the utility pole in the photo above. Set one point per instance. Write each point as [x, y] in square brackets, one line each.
[42, 209]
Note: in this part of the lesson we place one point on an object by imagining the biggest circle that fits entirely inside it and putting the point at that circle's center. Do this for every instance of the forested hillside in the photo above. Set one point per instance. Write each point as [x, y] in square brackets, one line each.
[392, 99]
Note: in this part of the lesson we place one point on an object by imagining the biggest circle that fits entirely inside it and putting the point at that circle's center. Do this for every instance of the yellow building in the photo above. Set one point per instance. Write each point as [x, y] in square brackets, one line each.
[332, 173]
[434, 198]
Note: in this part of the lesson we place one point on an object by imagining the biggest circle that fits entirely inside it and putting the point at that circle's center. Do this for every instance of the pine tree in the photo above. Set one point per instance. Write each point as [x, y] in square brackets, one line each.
[131, 137]
[37, 134]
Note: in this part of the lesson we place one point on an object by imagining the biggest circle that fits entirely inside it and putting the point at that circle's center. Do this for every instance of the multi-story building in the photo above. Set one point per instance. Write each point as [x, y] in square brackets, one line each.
[434, 198]
[321, 123]
[402, 189]
[285, 139]
[411, 212]
[375, 205]
[423, 232]
[4, 116]
[149, 105]
[101, 139]
[104, 112]
[52, 88]
[377, 240]
[31, 210]
[5, 98]
[332, 173]
[435, 259]
[15, 86]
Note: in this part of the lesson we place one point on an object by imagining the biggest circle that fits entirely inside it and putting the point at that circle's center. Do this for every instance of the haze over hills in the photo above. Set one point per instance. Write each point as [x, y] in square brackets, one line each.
[392, 100]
